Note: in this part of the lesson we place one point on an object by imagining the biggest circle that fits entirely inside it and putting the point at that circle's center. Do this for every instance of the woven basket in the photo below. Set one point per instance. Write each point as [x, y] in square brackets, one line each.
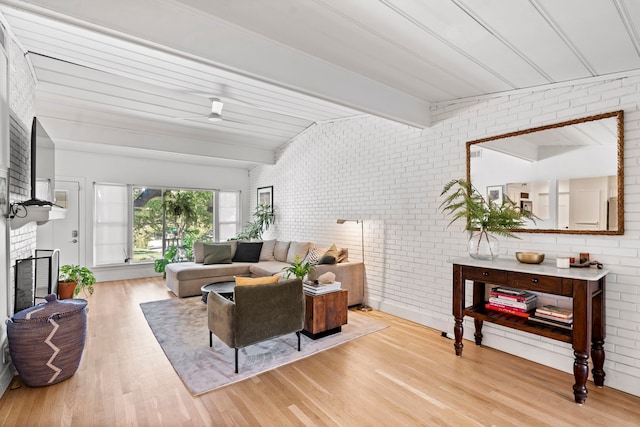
[46, 341]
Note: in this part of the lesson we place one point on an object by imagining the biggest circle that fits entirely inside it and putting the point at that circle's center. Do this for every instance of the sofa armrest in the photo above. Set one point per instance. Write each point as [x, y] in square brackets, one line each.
[221, 318]
[350, 274]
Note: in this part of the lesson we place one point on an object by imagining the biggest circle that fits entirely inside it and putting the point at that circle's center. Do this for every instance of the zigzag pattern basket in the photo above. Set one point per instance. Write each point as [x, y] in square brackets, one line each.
[46, 341]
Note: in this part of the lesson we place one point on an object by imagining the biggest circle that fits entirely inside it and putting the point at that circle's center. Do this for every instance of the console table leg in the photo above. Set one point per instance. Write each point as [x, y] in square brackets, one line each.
[457, 331]
[478, 334]
[597, 355]
[580, 372]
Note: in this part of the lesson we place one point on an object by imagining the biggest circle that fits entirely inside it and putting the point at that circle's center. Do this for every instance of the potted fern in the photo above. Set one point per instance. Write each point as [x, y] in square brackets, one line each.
[72, 279]
[483, 217]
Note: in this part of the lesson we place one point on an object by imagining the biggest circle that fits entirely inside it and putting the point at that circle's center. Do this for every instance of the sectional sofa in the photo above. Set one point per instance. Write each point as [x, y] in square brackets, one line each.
[258, 259]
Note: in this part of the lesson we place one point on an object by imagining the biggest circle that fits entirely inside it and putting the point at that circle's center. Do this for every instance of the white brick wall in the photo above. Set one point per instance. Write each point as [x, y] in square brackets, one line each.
[391, 176]
[22, 241]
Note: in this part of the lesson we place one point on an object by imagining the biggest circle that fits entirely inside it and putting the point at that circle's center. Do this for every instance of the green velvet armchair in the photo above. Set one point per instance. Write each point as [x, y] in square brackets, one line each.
[257, 313]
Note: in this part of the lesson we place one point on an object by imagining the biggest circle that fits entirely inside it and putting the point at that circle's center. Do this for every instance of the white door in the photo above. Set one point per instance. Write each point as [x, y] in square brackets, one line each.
[66, 232]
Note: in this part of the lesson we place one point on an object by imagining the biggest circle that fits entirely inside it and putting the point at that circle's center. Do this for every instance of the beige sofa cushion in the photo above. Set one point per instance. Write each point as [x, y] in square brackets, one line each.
[267, 268]
[266, 254]
[298, 248]
[191, 270]
[330, 257]
[281, 250]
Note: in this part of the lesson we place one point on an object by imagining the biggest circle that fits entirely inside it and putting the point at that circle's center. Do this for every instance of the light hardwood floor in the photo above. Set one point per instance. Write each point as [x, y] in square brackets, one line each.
[404, 375]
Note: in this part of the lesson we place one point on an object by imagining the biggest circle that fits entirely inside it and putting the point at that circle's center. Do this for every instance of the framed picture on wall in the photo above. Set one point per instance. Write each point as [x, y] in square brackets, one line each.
[526, 205]
[265, 196]
[494, 194]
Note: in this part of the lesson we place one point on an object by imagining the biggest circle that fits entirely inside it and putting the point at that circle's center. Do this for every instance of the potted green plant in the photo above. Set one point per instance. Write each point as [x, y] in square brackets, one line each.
[299, 269]
[485, 217]
[72, 279]
[264, 216]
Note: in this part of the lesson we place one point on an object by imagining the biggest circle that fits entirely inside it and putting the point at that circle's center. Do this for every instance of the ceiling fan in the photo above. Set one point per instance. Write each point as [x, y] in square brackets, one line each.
[216, 110]
[215, 115]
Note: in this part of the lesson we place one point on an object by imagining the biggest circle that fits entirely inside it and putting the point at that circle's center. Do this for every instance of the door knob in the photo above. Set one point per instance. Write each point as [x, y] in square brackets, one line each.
[74, 241]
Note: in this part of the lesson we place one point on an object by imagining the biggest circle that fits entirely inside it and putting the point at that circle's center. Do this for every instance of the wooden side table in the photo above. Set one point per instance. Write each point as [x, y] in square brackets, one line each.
[325, 314]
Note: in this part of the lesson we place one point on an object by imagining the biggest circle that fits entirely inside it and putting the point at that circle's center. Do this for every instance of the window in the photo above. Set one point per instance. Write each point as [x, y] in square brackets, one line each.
[228, 218]
[110, 226]
[155, 219]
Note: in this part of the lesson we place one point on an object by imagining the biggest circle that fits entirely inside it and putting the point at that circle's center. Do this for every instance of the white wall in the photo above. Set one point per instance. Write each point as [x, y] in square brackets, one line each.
[392, 175]
[88, 168]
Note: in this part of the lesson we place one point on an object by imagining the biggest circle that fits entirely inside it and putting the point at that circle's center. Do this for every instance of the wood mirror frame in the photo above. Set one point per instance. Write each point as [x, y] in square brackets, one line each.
[619, 115]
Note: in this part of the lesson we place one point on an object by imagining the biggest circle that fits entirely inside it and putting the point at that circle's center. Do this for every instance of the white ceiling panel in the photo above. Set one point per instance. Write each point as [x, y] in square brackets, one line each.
[519, 26]
[597, 30]
[149, 67]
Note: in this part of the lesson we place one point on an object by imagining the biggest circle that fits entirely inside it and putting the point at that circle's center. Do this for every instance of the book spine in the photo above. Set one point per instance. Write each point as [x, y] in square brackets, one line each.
[549, 322]
[513, 297]
[510, 291]
[553, 314]
[515, 304]
[554, 318]
[508, 310]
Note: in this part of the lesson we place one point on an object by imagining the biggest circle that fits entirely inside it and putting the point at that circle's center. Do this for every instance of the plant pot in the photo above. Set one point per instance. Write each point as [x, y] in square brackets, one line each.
[483, 245]
[66, 289]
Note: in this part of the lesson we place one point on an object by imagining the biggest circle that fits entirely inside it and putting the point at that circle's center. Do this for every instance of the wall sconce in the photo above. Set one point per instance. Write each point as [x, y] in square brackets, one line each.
[364, 306]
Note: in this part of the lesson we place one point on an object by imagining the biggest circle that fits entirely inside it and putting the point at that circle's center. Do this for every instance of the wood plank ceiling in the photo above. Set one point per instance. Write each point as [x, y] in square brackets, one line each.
[137, 74]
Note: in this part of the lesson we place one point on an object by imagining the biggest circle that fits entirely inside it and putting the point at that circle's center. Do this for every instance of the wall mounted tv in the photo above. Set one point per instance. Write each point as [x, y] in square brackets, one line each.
[42, 166]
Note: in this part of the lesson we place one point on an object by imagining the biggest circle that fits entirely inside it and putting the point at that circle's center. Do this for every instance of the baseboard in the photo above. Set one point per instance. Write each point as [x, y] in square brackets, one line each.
[442, 323]
[6, 376]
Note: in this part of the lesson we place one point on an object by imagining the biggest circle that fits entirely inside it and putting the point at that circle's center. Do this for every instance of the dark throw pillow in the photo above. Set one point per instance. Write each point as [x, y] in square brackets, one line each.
[248, 252]
[216, 254]
[330, 257]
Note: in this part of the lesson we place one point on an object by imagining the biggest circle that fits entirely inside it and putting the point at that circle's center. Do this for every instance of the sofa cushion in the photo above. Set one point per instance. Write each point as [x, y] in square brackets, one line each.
[242, 281]
[281, 250]
[217, 254]
[268, 268]
[314, 255]
[191, 270]
[248, 252]
[266, 254]
[298, 249]
[343, 255]
[330, 257]
[198, 249]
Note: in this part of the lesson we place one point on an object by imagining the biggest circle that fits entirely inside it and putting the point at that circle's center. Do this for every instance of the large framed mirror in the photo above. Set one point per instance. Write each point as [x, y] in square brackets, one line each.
[569, 174]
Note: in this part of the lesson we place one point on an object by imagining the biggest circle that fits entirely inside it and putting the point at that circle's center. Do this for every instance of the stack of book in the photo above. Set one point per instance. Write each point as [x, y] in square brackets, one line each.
[554, 316]
[512, 301]
[313, 288]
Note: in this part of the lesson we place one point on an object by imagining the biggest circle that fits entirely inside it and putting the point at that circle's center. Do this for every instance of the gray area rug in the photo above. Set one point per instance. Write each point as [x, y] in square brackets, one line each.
[180, 326]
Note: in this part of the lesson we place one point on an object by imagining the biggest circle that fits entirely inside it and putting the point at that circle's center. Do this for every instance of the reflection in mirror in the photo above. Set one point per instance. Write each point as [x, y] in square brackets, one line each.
[570, 175]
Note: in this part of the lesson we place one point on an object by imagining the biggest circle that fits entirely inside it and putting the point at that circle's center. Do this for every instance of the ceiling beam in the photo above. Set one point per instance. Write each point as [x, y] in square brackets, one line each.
[206, 38]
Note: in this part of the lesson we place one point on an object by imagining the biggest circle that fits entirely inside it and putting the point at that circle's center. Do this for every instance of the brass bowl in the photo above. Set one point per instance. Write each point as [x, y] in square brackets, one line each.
[530, 257]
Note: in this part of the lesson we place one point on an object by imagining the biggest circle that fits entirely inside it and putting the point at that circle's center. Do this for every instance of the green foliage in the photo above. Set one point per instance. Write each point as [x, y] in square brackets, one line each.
[170, 256]
[81, 275]
[463, 201]
[184, 212]
[298, 268]
[178, 253]
[264, 216]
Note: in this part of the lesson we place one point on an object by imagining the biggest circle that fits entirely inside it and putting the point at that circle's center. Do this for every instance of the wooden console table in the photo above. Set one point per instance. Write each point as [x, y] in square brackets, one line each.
[585, 285]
